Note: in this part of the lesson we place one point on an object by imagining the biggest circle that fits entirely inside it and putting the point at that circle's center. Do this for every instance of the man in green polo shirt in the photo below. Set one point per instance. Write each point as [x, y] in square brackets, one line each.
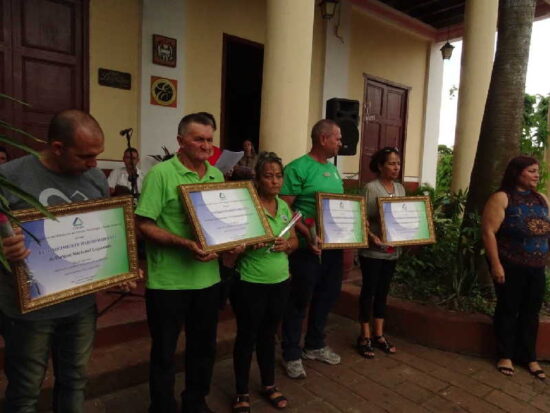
[316, 276]
[183, 282]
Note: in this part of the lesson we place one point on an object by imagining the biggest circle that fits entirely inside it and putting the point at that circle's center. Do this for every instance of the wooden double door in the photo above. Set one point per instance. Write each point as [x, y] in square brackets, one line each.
[384, 120]
[43, 62]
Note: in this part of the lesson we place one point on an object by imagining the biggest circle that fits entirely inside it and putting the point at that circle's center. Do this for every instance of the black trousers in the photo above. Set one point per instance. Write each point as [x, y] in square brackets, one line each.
[167, 312]
[377, 276]
[516, 319]
[315, 285]
[259, 310]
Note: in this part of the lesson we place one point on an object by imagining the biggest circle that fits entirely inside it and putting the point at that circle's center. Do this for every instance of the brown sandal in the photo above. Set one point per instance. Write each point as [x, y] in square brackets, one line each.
[241, 398]
[275, 401]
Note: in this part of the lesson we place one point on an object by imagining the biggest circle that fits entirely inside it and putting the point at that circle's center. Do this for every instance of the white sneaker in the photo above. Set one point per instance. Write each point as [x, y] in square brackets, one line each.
[295, 369]
[325, 354]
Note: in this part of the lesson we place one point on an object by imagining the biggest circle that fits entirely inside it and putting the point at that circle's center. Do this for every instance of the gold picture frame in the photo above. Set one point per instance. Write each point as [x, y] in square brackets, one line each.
[85, 237]
[410, 224]
[227, 198]
[352, 232]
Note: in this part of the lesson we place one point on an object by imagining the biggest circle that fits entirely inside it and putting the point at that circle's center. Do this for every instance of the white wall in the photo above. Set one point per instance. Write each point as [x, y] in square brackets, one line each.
[432, 116]
[337, 50]
[158, 123]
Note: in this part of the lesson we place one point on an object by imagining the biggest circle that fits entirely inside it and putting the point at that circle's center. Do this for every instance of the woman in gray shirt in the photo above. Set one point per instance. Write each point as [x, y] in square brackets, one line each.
[378, 261]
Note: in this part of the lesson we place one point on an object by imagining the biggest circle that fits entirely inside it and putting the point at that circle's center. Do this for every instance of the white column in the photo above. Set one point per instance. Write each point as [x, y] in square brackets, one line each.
[158, 124]
[286, 77]
[432, 116]
[480, 21]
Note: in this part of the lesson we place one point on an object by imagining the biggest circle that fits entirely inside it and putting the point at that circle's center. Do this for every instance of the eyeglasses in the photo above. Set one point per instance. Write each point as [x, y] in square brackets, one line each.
[388, 150]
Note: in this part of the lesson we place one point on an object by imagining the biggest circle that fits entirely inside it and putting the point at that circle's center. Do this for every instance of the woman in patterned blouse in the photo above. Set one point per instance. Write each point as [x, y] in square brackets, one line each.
[516, 230]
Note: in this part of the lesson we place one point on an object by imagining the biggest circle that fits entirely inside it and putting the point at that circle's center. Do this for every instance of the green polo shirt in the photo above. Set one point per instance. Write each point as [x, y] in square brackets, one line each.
[264, 267]
[171, 268]
[304, 177]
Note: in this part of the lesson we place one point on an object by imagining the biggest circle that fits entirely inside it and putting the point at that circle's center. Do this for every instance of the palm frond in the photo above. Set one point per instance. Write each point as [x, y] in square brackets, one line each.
[25, 196]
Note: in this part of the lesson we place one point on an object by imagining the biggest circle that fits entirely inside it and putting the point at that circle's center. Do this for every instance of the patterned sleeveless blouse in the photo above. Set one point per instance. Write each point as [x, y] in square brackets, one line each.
[523, 235]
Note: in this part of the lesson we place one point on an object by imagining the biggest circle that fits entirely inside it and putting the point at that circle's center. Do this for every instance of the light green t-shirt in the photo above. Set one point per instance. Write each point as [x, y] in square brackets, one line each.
[304, 177]
[264, 267]
[171, 268]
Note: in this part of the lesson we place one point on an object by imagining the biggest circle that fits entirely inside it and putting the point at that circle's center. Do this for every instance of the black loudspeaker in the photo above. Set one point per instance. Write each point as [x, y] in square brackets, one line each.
[345, 113]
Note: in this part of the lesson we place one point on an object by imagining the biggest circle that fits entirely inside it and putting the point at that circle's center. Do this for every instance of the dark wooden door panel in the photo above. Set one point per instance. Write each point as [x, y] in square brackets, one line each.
[384, 117]
[43, 61]
[49, 25]
[5, 59]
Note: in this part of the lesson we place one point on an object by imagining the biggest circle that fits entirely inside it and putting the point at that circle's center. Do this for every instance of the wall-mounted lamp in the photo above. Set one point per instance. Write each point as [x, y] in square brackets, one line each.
[328, 8]
[447, 51]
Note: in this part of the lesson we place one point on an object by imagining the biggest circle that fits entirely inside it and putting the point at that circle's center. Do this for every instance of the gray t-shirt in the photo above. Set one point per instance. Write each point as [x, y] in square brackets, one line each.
[50, 189]
[373, 190]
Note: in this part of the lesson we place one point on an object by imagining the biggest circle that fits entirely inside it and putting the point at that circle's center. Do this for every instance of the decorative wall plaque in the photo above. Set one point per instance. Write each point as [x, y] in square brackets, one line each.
[164, 92]
[113, 78]
[164, 50]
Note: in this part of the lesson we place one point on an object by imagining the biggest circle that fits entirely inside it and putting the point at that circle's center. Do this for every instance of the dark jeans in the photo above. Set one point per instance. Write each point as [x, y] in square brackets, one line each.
[377, 276]
[314, 284]
[516, 318]
[167, 312]
[259, 310]
[27, 348]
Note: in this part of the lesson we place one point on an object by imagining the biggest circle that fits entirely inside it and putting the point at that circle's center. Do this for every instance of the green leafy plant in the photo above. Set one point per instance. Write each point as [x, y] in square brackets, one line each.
[534, 131]
[444, 273]
[444, 174]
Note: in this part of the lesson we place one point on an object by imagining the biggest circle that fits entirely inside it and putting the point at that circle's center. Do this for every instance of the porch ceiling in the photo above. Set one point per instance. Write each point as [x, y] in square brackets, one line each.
[443, 13]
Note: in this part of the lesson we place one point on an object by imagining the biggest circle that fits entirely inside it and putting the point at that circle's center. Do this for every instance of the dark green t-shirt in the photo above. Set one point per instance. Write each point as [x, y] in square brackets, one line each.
[171, 268]
[262, 266]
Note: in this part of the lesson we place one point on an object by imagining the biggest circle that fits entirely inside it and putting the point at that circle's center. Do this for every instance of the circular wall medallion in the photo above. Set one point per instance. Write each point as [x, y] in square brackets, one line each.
[163, 91]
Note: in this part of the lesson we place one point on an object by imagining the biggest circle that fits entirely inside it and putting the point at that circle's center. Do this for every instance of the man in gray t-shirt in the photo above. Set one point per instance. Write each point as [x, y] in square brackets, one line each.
[65, 172]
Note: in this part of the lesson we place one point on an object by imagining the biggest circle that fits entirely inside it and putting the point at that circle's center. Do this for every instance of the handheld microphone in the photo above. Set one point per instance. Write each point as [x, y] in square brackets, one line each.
[126, 131]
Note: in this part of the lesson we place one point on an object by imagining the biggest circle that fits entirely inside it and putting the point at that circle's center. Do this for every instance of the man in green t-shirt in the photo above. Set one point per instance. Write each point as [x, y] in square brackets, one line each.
[183, 282]
[316, 275]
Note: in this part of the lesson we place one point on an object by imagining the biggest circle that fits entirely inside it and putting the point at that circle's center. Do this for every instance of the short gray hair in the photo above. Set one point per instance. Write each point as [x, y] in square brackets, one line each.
[322, 127]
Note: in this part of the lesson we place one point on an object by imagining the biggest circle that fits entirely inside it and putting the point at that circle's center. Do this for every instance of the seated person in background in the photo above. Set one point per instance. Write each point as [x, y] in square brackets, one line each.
[120, 179]
[245, 167]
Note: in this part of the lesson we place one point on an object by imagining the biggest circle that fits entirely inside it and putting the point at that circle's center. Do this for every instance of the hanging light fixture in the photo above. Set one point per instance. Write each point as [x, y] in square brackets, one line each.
[447, 51]
[328, 8]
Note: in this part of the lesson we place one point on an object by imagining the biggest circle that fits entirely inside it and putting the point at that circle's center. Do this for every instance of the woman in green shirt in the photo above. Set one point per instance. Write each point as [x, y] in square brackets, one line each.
[261, 291]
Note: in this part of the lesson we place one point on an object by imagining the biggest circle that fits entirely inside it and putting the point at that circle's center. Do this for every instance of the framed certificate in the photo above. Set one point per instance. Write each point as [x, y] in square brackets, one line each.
[90, 247]
[226, 215]
[406, 220]
[342, 221]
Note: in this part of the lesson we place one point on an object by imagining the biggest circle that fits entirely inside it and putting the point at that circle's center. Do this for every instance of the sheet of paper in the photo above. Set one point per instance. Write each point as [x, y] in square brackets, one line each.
[228, 159]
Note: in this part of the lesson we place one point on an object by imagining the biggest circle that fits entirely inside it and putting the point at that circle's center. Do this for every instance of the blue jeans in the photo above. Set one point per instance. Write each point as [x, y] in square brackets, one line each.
[315, 285]
[27, 348]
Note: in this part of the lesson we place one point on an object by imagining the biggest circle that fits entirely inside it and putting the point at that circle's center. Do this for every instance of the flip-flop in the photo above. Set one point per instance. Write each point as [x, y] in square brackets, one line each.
[539, 374]
[507, 371]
